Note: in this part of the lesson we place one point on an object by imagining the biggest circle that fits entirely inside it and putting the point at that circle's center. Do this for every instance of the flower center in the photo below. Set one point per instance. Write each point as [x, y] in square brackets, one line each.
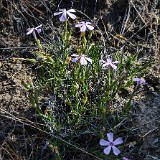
[111, 144]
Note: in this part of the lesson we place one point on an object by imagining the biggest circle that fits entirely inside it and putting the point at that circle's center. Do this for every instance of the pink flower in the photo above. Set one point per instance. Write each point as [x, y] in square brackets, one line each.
[109, 63]
[111, 144]
[34, 30]
[64, 13]
[139, 81]
[84, 26]
[82, 58]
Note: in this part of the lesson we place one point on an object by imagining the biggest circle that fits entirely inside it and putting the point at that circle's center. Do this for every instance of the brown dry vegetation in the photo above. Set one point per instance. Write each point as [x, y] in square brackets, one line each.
[133, 26]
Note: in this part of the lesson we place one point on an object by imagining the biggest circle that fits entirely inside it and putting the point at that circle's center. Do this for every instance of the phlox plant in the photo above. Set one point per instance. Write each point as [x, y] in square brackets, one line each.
[80, 83]
[111, 144]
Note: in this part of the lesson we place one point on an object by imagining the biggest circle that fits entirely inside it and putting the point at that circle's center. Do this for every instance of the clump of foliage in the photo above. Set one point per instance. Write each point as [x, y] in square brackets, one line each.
[83, 87]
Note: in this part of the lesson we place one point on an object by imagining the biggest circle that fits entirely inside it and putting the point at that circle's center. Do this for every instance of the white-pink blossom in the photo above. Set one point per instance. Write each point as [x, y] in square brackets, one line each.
[109, 63]
[34, 30]
[84, 26]
[139, 81]
[82, 59]
[64, 14]
[111, 144]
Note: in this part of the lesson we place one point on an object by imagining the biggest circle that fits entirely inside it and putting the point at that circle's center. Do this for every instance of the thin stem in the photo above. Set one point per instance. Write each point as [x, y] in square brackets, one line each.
[65, 31]
[38, 44]
[109, 75]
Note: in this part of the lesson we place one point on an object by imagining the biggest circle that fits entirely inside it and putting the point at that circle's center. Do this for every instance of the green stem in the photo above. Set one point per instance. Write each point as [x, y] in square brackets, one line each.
[109, 76]
[38, 44]
[84, 42]
[65, 30]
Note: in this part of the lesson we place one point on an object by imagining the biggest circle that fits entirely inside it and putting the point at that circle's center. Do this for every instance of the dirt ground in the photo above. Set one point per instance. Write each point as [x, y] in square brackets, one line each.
[20, 139]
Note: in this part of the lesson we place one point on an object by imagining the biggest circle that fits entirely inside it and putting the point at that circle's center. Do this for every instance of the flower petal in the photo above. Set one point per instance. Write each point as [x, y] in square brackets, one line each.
[102, 61]
[30, 30]
[90, 27]
[75, 59]
[104, 65]
[39, 26]
[75, 55]
[118, 141]
[63, 17]
[142, 82]
[78, 25]
[108, 63]
[113, 66]
[115, 62]
[71, 10]
[38, 30]
[83, 60]
[136, 79]
[57, 13]
[89, 60]
[110, 137]
[88, 23]
[71, 15]
[109, 60]
[103, 142]
[62, 10]
[116, 151]
[107, 150]
[83, 28]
